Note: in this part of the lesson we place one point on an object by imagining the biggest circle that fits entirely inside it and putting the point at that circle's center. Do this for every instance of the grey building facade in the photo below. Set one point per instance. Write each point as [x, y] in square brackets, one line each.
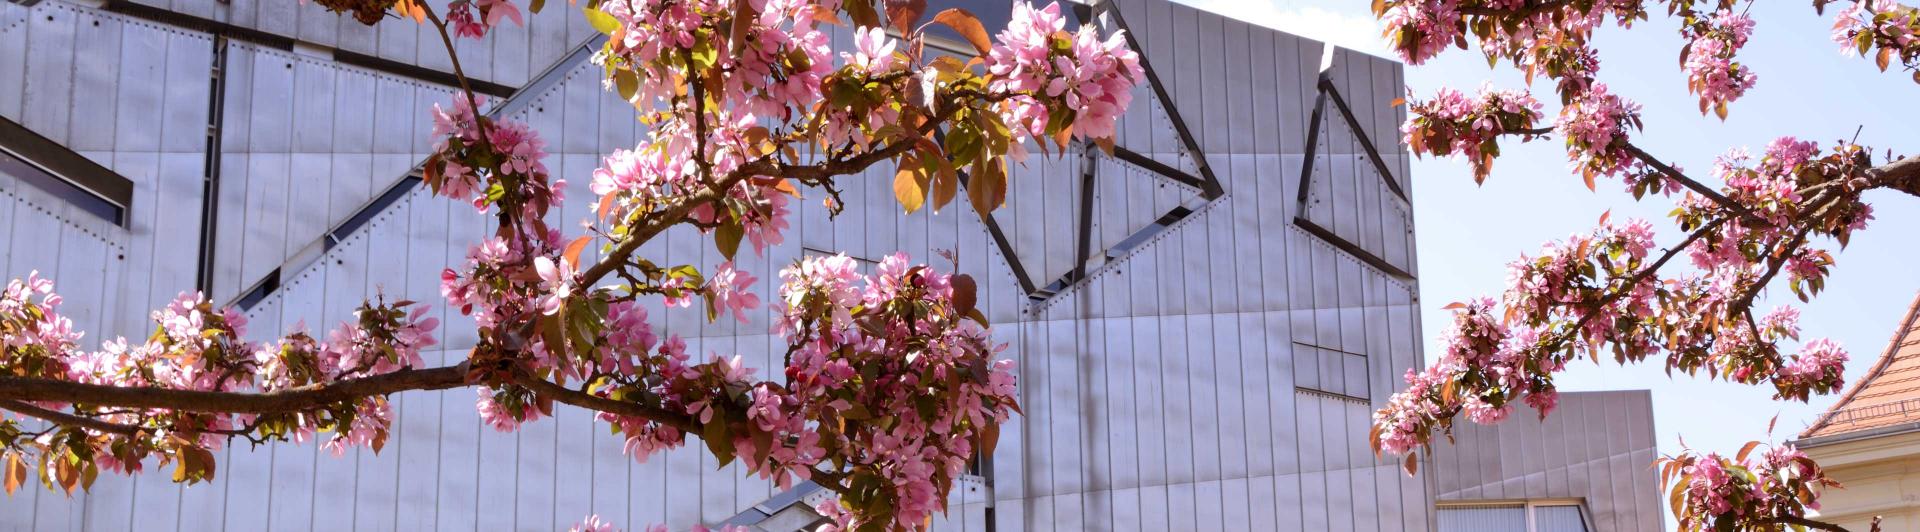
[1203, 321]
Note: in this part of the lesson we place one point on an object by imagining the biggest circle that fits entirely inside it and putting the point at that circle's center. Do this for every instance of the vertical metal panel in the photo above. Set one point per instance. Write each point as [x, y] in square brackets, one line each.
[13, 58]
[49, 79]
[1605, 449]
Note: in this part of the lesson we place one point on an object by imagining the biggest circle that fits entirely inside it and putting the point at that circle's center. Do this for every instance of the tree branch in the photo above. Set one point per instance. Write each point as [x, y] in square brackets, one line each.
[1745, 303]
[588, 401]
[458, 74]
[1691, 184]
[677, 213]
[1809, 523]
[1644, 273]
[1902, 175]
[1518, 12]
[288, 400]
[63, 418]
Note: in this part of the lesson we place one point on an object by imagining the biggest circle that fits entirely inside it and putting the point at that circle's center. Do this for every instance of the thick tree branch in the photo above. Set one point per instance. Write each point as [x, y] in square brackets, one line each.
[1902, 175]
[288, 400]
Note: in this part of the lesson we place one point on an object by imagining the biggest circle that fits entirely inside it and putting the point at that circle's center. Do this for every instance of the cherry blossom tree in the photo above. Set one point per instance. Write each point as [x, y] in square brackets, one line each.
[891, 381]
[1612, 291]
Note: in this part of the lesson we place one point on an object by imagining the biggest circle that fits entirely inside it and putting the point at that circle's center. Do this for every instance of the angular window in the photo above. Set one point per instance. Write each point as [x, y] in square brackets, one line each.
[38, 162]
[1330, 371]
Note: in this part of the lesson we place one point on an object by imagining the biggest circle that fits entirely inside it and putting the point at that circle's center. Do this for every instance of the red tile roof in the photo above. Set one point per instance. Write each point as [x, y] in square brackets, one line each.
[1888, 395]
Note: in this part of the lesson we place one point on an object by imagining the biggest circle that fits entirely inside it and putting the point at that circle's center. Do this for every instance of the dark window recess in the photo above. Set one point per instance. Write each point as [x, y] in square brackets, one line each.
[41, 163]
[1331, 372]
[1204, 179]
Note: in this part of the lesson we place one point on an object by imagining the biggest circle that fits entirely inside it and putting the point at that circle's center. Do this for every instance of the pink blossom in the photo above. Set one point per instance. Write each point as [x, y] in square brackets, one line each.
[593, 523]
[499, 416]
[875, 51]
[1595, 125]
[556, 280]
[1091, 77]
[1711, 71]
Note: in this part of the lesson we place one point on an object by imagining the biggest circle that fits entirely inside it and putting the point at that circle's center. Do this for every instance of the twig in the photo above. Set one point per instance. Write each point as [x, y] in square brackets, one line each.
[1693, 185]
[63, 418]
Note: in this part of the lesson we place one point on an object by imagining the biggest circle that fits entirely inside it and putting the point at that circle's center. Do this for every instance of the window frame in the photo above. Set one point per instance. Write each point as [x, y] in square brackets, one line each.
[1528, 507]
[62, 173]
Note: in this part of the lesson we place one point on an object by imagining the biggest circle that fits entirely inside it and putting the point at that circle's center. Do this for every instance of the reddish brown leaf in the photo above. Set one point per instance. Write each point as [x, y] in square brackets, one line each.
[989, 438]
[946, 185]
[16, 473]
[574, 249]
[606, 206]
[1454, 306]
[968, 26]
[66, 474]
[902, 14]
[965, 293]
[1746, 450]
[743, 14]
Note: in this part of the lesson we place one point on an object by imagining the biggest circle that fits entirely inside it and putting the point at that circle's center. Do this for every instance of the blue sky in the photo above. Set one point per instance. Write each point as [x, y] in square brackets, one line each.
[1467, 233]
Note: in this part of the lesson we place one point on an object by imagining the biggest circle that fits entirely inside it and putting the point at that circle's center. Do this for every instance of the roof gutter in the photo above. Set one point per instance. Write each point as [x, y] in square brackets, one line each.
[1845, 437]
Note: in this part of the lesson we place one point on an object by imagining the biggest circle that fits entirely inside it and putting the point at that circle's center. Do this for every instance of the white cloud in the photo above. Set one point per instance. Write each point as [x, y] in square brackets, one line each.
[1345, 26]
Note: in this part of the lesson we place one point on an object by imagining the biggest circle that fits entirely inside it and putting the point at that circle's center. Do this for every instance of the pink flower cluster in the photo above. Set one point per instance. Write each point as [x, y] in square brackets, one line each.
[1587, 294]
[1550, 38]
[861, 352]
[1749, 491]
[1057, 72]
[1816, 369]
[1885, 24]
[473, 18]
[1711, 71]
[1421, 29]
[782, 60]
[198, 347]
[508, 149]
[1453, 124]
[1595, 125]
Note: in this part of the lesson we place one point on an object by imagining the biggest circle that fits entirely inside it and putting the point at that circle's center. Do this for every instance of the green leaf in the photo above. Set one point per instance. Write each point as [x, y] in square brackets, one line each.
[704, 55]
[627, 83]
[537, 5]
[601, 21]
[719, 439]
[856, 412]
[727, 238]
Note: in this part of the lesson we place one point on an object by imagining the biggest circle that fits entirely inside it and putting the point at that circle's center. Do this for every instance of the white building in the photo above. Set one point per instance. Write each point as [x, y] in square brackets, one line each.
[1203, 322]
